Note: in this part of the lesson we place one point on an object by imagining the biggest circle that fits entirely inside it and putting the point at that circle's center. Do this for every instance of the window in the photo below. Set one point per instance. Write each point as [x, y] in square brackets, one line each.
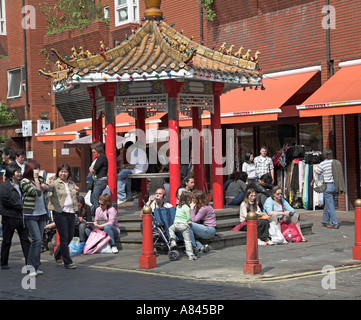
[14, 83]
[126, 11]
[2, 18]
[106, 12]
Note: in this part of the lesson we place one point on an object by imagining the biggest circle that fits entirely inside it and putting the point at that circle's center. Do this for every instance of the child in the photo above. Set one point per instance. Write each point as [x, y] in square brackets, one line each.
[181, 223]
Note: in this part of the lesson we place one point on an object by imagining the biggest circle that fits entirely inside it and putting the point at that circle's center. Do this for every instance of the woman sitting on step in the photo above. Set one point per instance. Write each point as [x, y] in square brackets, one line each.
[203, 219]
[279, 209]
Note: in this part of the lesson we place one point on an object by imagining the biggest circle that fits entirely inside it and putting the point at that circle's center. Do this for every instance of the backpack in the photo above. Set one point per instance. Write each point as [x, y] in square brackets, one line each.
[96, 240]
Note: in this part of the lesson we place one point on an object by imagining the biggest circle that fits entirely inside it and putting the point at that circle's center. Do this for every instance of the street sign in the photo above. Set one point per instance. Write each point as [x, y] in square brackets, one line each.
[43, 125]
[27, 128]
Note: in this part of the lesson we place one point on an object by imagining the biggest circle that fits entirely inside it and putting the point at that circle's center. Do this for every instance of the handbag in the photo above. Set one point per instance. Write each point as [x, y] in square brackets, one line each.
[319, 185]
[240, 227]
[90, 185]
[96, 240]
[286, 229]
[275, 234]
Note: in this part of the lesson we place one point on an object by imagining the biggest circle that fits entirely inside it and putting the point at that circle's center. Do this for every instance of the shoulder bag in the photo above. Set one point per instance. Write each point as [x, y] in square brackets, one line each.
[319, 185]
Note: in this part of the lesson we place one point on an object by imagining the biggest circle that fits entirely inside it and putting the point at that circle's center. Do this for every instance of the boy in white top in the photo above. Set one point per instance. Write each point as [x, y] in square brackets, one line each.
[138, 163]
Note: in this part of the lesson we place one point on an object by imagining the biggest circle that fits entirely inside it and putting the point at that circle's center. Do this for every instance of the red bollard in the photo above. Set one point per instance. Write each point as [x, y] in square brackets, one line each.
[147, 260]
[356, 250]
[252, 265]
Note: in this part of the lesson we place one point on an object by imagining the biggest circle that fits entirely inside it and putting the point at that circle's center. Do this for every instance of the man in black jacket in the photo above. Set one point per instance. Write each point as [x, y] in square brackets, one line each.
[263, 187]
[11, 209]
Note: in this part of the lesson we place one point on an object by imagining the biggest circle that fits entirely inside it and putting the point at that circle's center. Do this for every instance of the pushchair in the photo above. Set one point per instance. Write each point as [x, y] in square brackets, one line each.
[163, 218]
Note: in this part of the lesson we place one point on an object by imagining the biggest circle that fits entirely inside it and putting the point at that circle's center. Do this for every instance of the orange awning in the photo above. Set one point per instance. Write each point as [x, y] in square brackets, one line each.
[238, 106]
[339, 95]
[124, 123]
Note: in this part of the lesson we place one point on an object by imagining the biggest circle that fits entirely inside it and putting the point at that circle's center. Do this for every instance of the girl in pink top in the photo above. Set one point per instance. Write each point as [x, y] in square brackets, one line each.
[106, 219]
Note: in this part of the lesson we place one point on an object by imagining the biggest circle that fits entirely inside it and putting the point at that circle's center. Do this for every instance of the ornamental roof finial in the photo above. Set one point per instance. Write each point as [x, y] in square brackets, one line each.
[153, 9]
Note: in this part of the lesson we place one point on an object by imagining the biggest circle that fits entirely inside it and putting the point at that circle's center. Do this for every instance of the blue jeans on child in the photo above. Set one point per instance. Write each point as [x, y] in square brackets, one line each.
[200, 231]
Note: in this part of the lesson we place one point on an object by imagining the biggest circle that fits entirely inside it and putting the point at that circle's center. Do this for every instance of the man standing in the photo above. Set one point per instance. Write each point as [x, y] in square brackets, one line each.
[138, 163]
[20, 159]
[264, 164]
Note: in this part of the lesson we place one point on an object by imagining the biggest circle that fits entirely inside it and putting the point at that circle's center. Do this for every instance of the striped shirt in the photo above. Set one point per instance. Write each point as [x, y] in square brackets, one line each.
[325, 169]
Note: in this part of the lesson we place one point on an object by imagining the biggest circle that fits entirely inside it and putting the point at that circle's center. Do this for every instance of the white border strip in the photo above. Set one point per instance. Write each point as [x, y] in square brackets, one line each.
[291, 72]
[349, 63]
[328, 105]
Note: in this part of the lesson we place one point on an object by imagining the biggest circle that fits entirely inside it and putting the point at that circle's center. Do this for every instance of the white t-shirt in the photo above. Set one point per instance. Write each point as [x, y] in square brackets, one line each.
[138, 157]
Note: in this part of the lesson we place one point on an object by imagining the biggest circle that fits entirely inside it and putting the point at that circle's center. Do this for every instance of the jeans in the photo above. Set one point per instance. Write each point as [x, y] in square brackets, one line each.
[9, 227]
[110, 230]
[200, 231]
[65, 224]
[236, 201]
[329, 212]
[36, 231]
[98, 188]
[124, 185]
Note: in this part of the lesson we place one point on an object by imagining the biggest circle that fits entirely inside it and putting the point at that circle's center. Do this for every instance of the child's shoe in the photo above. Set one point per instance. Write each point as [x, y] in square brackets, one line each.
[173, 244]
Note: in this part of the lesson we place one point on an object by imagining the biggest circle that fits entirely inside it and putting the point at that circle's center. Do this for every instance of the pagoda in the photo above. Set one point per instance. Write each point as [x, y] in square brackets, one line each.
[158, 69]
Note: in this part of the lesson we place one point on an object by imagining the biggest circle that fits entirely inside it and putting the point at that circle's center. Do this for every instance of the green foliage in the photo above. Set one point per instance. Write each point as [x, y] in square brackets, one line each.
[6, 115]
[67, 14]
[207, 5]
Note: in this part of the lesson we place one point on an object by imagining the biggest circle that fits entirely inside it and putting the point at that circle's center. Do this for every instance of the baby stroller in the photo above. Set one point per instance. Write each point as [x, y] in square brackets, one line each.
[163, 218]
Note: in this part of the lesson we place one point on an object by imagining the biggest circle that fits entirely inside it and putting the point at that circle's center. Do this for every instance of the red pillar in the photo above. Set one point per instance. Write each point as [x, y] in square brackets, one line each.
[173, 87]
[97, 123]
[217, 185]
[356, 249]
[197, 146]
[108, 91]
[140, 125]
[252, 265]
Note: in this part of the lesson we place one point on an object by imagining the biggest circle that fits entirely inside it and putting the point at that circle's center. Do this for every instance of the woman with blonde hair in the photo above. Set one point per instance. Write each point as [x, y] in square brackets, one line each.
[106, 219]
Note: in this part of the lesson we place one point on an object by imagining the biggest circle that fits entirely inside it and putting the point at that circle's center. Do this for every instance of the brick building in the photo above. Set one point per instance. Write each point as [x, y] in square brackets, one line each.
[290, 35]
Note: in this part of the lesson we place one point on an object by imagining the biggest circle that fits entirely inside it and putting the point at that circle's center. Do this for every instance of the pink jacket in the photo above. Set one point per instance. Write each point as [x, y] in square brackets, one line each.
[110, 215]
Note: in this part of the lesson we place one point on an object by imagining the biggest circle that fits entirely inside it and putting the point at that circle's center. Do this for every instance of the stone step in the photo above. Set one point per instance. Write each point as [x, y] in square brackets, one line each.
[222, 239]
[227, 218]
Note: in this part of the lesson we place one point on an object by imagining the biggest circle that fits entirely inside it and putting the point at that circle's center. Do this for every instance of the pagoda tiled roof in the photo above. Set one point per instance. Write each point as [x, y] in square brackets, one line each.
[156, 51]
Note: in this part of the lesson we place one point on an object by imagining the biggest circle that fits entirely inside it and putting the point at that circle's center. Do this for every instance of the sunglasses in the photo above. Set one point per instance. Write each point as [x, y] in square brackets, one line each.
[101, 204]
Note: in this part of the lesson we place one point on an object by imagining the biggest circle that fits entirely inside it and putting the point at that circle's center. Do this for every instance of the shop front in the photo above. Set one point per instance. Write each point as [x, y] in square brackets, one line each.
[339, 99]
[273, 120]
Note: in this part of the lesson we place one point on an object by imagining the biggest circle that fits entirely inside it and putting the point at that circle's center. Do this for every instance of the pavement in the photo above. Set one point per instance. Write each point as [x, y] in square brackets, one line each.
[298, 269]
[325, 247]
